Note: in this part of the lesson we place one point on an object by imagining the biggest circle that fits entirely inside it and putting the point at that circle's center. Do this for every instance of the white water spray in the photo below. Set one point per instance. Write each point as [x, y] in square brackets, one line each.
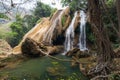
[70, 35]
[82, 37]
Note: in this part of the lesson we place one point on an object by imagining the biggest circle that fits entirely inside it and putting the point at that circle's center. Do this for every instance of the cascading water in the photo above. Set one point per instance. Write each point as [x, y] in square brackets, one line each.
[48, 36]
[70, 35]
[82, 37]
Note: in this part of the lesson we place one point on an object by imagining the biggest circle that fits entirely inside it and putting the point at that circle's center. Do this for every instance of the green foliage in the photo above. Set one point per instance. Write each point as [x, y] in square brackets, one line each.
[2, 35]
[29, 21]
[18, 30]
[115, 77]
[111, 14]
[52, 12]
[42, 10]
[89, 34]
[75, 4]
[115, 46]
[5, 36]
[63, 20]
[23, 25]
[39, 20]
[5, 30]
[110, 3]
[2, 15]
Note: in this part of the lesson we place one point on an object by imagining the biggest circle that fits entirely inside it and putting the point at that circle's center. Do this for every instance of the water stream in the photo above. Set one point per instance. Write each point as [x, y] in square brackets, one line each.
[82, 37]
[49, 34]
[70, 35]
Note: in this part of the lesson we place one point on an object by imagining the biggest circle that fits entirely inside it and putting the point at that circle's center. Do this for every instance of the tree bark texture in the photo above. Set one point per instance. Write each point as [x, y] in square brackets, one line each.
[103, 43]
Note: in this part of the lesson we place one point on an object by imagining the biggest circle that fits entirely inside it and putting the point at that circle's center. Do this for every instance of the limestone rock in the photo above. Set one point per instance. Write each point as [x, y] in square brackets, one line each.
[72, 52]
[77, 20]
[55, 49]
[42, 31]
[36, 33]
[5, 49]
[77, 53]
[32, 48]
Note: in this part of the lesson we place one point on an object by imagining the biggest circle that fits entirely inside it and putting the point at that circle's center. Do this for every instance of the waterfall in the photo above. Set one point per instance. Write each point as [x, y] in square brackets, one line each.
[70, 35]
[49, 34]
[82, 37]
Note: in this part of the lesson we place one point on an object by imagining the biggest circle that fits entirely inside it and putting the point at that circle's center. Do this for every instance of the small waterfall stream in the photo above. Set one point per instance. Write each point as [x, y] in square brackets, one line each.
[82, 37]
[48, 36]
[70, 35]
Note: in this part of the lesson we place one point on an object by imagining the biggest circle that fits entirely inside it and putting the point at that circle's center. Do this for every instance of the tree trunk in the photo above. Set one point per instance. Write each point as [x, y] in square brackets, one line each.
[118, 14]
[103, 43]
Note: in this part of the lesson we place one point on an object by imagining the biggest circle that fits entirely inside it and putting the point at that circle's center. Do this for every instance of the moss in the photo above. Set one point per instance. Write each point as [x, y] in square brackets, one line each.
[63, 20]
[39, 20]
[52, 12]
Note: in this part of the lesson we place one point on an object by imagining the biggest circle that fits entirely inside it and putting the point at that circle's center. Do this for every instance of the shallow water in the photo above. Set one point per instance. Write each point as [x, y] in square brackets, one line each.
[44, 68]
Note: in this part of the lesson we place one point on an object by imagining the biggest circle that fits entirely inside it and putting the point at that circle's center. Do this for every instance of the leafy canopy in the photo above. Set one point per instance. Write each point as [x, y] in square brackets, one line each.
[75, 4]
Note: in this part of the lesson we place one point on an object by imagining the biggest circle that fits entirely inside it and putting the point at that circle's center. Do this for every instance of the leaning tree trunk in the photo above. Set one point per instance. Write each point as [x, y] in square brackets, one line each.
[103, 43]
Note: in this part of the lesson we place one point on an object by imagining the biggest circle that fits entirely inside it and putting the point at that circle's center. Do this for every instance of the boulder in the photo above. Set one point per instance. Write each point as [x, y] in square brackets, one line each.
[73, 52]
[32, 48]
[77, 53]
[55, 49]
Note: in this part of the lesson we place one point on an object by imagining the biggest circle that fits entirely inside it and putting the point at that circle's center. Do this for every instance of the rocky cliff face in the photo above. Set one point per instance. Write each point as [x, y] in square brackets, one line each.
[39, 32]
[50, 32]
[36, 33]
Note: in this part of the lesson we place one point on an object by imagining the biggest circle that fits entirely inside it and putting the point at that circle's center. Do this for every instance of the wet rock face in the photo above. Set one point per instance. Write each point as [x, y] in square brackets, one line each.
[77, 53]
[62, 24]
[32, 48]
[42, 32]
[55, 49]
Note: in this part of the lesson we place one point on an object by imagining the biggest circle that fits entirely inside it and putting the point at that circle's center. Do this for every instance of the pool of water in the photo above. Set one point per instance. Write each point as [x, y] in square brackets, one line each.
[44, 68]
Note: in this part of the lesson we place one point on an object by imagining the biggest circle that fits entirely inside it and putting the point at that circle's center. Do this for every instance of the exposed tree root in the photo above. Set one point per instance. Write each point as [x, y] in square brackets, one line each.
[100, 77]
[100, 71]
[100, 67]
[106, 76]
